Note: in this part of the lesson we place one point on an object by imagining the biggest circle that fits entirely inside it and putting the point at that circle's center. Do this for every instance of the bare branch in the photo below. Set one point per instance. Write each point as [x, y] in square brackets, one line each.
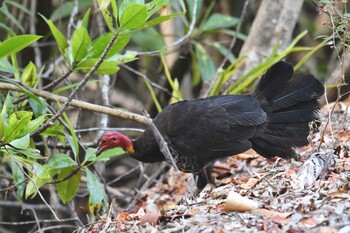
[79, 104]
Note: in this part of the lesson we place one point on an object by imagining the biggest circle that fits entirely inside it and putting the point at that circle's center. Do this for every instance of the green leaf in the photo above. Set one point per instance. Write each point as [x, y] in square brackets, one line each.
[20, 7]
[90, 154]
[16, 124]
[115, 10]
[148, 39]
[16, 44]
[123, 58]
[6, 66]
[218, 21]
[85, 21]
[105, 68]
[80, 44]
[158, 20]
[154, 6]
[68, 188]
[95, 189]
[125, 3]
[29, 77]
[66, 8]
[8, 107]
[56, 131]
[9, 15]
[103, 4]
[2, 128]
[205, 63]
[224, 51]
[60, 161]
[40, 171]
[106, 155]
[100, 44]
[38, 108]
[18, 177]
[29, 153]
[31, 189]
[133, 16]
[34, 124]
[72, 138]
[21, 143]
[120, 43]
[60, 39]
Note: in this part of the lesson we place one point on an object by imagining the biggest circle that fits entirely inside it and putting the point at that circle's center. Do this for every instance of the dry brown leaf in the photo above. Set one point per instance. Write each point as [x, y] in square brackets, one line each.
[250, 183]
[250, 154]
[273, 213]
[151, 218]
[124, 216]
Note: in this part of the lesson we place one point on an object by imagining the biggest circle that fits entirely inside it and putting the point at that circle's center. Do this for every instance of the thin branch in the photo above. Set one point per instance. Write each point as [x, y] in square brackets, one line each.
[16, 204]
[163, 145]
[58, 227]
[41, 221]
[79, 104]
[109, 129]
[57, 81]
[105, 102]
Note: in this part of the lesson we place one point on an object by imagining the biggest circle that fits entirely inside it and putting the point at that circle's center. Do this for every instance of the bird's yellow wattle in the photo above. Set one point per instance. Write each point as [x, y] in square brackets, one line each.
[130, 149]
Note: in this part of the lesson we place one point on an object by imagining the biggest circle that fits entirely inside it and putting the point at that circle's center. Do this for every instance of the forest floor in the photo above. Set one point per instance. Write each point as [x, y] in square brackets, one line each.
[311, 194]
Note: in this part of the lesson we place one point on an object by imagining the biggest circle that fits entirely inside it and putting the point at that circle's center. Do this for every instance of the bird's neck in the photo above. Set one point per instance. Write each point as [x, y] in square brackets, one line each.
[144, 151]
[127, 144]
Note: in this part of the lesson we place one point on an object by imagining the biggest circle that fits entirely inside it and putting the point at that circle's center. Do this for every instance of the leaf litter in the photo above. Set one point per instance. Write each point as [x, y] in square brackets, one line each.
[310, 194]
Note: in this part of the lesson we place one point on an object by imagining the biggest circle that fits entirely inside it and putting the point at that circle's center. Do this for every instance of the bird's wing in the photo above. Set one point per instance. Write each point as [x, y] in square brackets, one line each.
[213, 127]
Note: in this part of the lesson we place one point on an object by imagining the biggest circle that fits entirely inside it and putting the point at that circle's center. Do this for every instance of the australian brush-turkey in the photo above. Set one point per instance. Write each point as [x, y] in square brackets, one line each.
[272, 120]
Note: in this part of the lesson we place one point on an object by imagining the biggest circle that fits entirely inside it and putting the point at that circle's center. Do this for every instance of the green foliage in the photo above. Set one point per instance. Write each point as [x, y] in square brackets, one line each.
[133, 16]
[23, 113]
[340, 20]
[65, 9]
[205, 62]
[60, 39]
[96, 190]
[29, 77]
[219, 21]
[5, 13]
[80, 44]
[69, 187]
[16, 44]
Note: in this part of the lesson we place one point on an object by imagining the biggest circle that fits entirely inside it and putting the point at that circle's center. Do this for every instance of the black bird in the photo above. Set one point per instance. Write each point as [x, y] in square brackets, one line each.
[272, 120]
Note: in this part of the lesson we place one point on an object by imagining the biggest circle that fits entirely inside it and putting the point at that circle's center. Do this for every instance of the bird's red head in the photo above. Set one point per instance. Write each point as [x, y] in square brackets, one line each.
[114, 139]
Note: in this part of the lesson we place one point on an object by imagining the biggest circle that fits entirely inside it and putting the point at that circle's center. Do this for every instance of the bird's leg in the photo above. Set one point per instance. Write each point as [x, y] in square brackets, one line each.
[203, 178]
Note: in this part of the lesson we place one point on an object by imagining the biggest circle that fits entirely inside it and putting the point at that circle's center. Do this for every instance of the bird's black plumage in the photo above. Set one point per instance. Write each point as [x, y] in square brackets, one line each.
[272, 120]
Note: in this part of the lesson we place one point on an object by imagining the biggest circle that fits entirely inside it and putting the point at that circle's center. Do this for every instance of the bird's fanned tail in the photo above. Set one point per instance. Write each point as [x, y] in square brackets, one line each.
[291, 105]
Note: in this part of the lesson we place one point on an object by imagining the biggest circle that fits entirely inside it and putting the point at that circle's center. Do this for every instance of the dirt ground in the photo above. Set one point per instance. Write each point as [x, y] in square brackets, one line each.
[310, 194]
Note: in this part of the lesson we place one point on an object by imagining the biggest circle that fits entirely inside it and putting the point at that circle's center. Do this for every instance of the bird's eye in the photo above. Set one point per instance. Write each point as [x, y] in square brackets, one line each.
[105, 141]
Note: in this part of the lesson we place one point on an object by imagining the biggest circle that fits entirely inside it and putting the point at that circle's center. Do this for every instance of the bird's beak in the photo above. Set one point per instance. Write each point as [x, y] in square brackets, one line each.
[98, 151]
